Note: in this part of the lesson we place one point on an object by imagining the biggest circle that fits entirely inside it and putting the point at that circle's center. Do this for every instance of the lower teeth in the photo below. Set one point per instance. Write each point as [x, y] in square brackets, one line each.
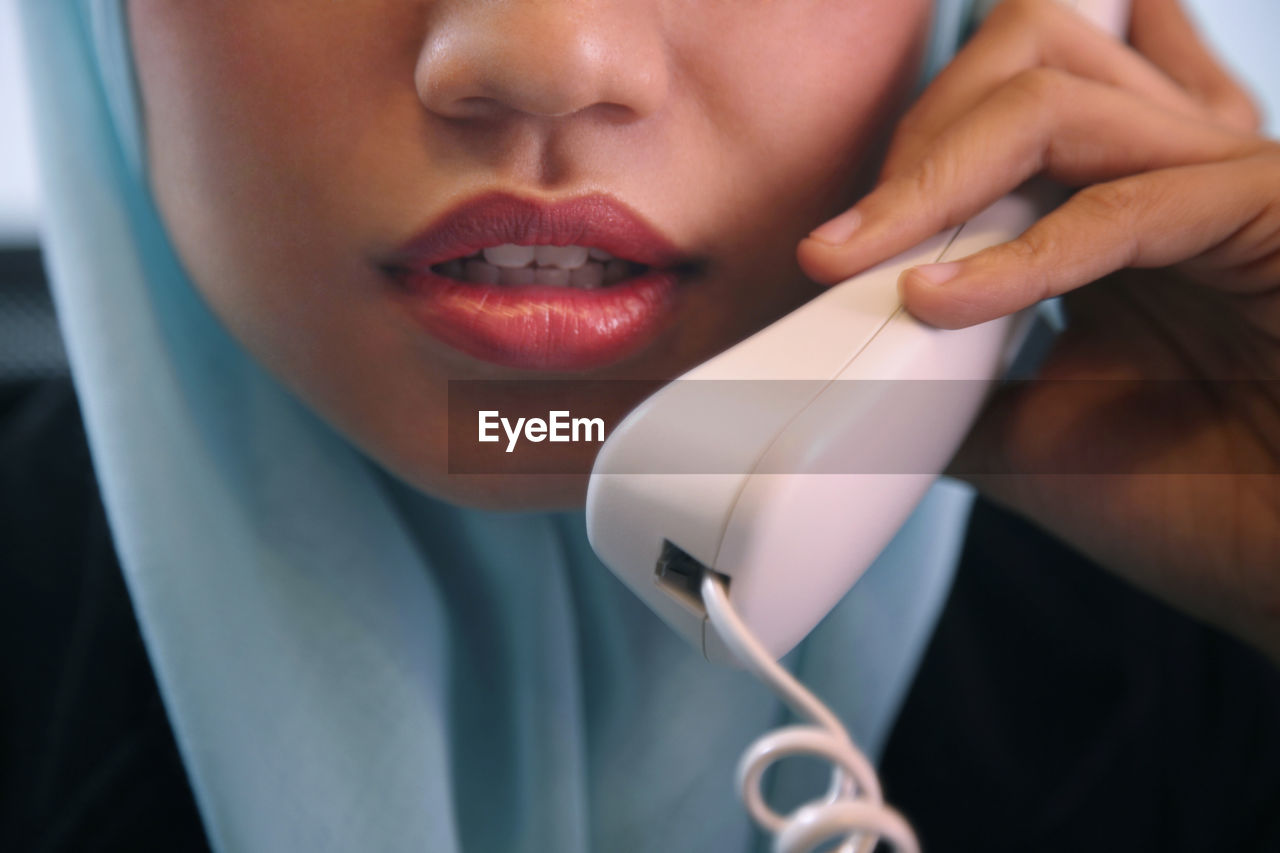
[589, 276]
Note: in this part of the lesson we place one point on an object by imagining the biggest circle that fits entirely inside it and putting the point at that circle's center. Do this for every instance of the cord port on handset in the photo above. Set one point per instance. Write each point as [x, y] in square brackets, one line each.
[681, 576]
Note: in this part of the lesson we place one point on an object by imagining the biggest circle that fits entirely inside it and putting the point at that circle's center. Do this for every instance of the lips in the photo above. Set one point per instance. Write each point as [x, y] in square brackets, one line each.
[541, 326]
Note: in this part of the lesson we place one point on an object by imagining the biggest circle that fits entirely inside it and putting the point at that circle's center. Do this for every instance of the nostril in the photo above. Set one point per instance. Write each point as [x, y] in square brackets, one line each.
[545, 60]
[476, 107]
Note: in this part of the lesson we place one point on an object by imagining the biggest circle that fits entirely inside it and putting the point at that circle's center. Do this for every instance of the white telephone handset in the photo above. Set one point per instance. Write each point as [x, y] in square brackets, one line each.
[744, 485]
[791, 489]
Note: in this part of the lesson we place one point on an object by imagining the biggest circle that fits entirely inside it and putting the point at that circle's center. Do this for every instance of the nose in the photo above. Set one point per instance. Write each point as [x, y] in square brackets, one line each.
[545, 58]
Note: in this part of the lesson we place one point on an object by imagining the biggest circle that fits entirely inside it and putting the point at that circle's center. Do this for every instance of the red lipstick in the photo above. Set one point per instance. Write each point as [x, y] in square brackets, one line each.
[542, 326]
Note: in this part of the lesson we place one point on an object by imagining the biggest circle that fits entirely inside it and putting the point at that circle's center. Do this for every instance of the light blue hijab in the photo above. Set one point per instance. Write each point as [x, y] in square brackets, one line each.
[347, 663]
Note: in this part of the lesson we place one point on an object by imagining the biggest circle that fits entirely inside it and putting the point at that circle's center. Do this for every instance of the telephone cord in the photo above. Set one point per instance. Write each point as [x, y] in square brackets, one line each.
[853, 809]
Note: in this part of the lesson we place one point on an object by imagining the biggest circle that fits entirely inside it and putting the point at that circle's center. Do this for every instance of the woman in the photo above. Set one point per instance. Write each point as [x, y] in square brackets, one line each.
[349, 659]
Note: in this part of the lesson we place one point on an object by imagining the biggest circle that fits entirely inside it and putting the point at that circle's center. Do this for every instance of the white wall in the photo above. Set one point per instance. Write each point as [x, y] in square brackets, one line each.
[1245, 33]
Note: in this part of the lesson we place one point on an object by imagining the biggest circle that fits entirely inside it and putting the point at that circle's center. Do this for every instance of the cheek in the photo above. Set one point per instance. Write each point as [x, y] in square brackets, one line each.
[261, 118]
[267, 125]
[800, 95]
[256, 112]
[795, 98]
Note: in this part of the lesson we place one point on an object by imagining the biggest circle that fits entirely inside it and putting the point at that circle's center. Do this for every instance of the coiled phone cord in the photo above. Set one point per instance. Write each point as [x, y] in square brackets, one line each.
[854, 808]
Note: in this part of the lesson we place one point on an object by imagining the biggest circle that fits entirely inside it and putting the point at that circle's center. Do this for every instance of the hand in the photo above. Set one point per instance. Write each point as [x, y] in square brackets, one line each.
[1178, 213]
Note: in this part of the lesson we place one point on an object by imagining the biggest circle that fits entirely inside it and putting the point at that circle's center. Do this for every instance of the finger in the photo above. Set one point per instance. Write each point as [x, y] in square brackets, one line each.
[1162, 32]
[1020, 35]
[1155, 219]
[1074, 130]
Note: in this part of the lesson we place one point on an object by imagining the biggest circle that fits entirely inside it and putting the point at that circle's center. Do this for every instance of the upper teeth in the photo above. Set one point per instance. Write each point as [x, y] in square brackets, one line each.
[565, 266]
[565, 257]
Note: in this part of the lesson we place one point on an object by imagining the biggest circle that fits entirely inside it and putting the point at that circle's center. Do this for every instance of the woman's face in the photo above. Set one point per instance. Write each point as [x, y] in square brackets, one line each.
[319, 163]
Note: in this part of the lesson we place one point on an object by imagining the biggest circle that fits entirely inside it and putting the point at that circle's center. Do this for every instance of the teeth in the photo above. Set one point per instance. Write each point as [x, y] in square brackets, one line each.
[519, 276]
[552, 275]
[565, 257]
[509, 255]
[588, 276]
[555, 266]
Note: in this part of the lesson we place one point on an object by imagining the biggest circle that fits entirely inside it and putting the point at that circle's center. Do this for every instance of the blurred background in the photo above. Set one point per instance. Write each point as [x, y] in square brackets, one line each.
[1243, 32]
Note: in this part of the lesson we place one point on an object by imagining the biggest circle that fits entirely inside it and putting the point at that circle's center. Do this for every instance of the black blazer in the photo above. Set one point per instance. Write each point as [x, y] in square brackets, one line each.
[1056, 708]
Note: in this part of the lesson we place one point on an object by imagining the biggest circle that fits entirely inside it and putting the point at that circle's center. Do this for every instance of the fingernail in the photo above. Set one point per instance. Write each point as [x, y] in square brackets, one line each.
[838, 231]
[938, 274]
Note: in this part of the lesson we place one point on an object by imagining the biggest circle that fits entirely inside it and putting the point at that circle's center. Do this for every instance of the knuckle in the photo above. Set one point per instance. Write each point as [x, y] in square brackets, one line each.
[1119, 206]
[931, 175]
[1113, 202]
[1029, 251]
[1040, 86]
[1239, 110]
[1034, 244]
[1031, 255]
